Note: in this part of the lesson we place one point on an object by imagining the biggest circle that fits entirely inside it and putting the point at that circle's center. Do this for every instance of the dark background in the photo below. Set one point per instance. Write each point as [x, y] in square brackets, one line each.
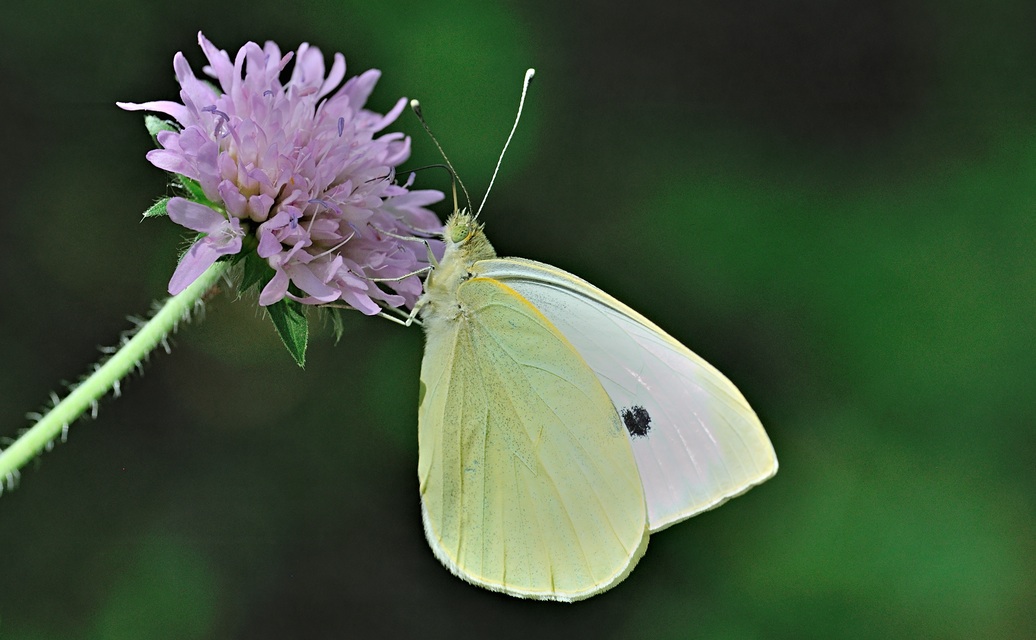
[832, 202]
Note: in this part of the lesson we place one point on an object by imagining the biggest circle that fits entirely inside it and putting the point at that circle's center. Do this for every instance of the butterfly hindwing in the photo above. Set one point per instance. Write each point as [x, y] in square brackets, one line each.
[696, 440]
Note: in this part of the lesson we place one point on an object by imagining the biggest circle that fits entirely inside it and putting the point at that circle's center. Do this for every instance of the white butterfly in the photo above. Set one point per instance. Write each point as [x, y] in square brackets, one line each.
[558, 428]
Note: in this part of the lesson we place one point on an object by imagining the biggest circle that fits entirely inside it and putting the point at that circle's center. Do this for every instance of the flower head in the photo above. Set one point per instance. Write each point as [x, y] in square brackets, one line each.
[299, 167]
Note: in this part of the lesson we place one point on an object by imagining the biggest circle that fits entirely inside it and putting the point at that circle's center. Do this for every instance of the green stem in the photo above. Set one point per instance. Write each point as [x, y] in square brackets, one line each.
[87, 392]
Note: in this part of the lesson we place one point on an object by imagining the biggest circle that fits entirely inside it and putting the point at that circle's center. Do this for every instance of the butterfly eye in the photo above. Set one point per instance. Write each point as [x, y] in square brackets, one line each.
[459, 233]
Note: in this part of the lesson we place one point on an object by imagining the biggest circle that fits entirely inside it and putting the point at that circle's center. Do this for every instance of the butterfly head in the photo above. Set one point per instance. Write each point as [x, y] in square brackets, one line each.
[465, 245]
[460, 227]
[464, 235]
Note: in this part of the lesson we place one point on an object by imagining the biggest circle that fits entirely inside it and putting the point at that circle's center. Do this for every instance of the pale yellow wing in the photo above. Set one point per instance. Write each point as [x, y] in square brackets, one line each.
[528, 481]
[696, 440]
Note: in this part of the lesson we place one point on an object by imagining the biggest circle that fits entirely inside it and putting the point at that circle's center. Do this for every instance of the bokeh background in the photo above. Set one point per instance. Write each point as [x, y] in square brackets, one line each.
[833, 202]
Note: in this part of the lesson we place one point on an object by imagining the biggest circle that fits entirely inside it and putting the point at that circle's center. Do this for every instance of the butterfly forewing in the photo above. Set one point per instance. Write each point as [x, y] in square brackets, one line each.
[528, 482]
[695, 438]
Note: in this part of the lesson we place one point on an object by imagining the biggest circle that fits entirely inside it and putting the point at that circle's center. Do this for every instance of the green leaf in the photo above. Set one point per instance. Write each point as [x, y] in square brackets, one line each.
[290, 320]
[156, 125]
[337, 324]
[194, 189]
[186, 245]
[158, 209]
[257, 272]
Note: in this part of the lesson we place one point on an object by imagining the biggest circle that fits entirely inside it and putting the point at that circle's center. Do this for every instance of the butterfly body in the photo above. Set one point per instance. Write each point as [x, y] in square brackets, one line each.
[547, 455]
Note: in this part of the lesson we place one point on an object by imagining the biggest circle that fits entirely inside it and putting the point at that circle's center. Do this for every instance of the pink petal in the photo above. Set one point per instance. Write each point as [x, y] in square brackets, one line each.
[306, 280]
[195, 216]
[259, 207]
[169, 139]
[361, 302]
[198, 258]
[219, 65]
[172, 161]
[197, 92]
[309, 68]
[269, 245]
[359, 88]
[274, 289]
[174, 109]
[334, 76]
[390, 117]
[232, 198]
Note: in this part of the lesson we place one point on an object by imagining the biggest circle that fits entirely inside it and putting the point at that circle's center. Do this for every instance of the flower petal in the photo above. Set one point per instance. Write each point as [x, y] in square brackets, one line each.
[176, 110]
[334, 76]
[360, 301]
[275, 289]
[219, 66]
[174, 161]
[195, 216]
[232, 198]
[359, 88]
[303, 276]
[198, 258]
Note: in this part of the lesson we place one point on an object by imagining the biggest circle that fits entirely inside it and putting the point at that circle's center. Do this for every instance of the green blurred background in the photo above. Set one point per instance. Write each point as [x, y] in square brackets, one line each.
[831, 202]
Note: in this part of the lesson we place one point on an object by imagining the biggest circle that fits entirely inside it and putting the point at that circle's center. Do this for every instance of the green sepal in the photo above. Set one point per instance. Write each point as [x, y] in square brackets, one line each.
[290, 321]
[195, 191]
[256, 271]
[156, 125]
[337, 324]
[186, 246]
[157, 210]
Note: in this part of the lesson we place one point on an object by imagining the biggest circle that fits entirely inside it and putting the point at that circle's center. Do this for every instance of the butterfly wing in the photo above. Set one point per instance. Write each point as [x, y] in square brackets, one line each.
[696, 440]
[528, 482]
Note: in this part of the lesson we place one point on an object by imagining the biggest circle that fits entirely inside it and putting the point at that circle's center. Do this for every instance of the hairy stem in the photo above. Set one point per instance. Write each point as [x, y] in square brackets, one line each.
[86, 394]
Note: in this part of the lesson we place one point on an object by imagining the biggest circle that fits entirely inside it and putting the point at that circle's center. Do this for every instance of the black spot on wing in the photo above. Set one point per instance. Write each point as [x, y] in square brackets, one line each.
[637, 420]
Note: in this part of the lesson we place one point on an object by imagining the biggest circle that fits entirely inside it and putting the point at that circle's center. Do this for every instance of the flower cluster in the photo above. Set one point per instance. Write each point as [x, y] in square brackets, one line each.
[294, 172]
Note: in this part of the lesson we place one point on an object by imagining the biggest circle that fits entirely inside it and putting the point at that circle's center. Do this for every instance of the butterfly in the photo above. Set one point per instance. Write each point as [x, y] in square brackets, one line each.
[559, 428]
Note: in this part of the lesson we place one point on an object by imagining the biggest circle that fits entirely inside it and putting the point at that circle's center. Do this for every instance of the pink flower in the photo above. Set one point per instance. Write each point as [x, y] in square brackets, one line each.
[299, 167]
[222, 237]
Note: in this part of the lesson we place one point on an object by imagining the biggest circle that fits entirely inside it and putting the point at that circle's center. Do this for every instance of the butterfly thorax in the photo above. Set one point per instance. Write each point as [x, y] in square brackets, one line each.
[466, 244]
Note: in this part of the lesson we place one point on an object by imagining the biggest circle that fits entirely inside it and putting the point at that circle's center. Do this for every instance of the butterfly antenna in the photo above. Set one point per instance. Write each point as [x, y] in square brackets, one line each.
[521, 103]
[415, 106]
